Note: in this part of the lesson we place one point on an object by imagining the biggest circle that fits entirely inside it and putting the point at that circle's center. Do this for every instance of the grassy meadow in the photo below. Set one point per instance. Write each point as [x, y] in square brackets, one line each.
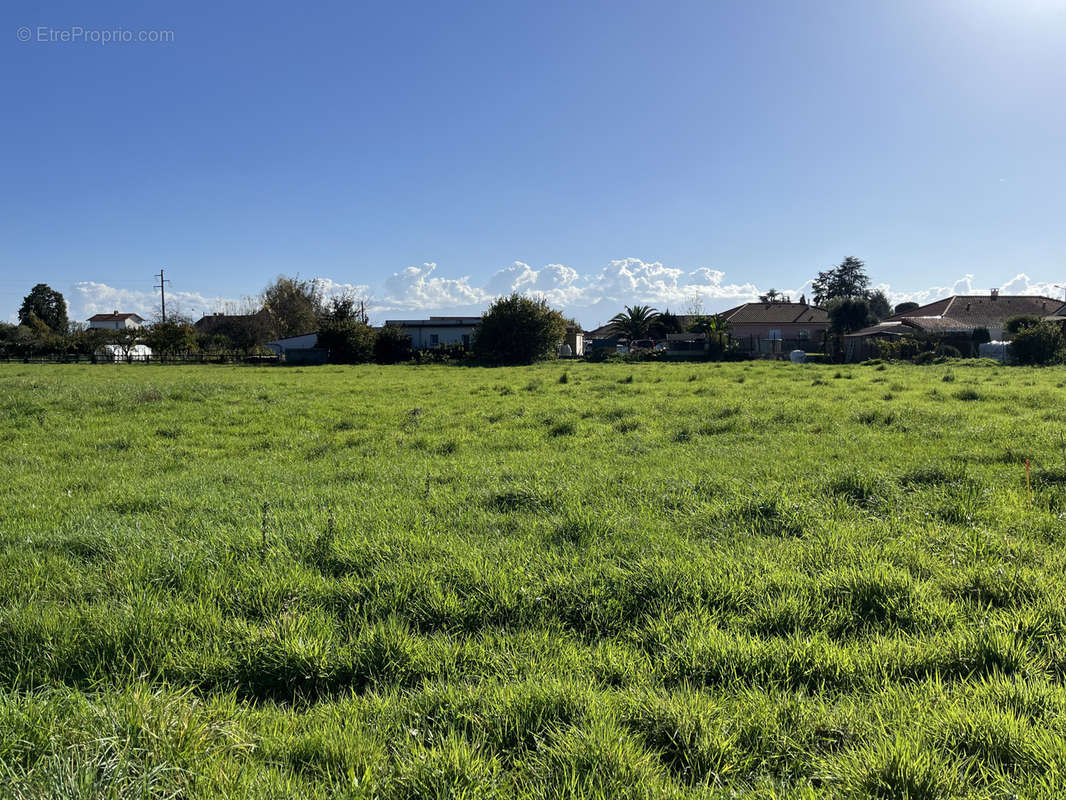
[617, 580]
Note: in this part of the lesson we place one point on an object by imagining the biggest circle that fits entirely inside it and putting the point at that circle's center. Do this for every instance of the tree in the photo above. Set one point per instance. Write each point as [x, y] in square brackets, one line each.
[848, 314]
[125, 339]
[1038, 344]
[879, 305]
[348, 341]
[666, 323]
[293, 305]
[902, 308]
[1019, 323]
[48, 305]
[635, 322]
[716, 328]
[847, 279]
[392, 345]
[518, 330]
[171, 337]
[87, 341]
[771, 296]
[239, 332]
[344, 308]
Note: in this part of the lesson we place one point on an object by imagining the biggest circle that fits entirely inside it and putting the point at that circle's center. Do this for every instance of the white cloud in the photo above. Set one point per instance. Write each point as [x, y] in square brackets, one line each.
[1020, 284]
[417, 288]
[91, 297]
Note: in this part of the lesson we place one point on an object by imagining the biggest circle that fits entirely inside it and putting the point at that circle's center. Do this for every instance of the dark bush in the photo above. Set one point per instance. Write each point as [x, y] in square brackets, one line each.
[348, 341]
[1038, 344]
[1018, 323]
[392, 345]
[518, 330]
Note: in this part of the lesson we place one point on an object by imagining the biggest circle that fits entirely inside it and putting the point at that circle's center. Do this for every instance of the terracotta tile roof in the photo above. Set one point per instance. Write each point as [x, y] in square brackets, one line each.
[983, 310]
[769, 313]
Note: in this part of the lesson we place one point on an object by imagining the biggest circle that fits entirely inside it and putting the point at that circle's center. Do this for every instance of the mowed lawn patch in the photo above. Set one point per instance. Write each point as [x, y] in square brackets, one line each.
[581, 580]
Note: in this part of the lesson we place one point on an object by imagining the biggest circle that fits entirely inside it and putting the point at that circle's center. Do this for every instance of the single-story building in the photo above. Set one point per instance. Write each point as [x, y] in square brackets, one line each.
[438, 331]
[115, 321]
[776, 327]
[860, 345]
[302, 349]
[305, 341]
[989, 311]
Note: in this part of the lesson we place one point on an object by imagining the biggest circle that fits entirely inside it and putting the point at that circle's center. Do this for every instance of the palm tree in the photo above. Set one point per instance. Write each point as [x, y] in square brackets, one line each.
[635, 323]
[771, 296]
[715, 326]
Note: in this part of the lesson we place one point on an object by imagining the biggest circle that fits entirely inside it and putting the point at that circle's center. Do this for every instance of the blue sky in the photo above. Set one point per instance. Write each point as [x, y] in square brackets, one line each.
[434, 154]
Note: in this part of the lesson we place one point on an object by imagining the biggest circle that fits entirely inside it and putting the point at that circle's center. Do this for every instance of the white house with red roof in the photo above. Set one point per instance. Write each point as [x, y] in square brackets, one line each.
[116, 321]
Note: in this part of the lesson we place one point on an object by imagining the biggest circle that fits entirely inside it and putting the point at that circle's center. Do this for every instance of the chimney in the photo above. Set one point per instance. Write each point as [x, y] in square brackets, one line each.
[115, 312]
[995, 294]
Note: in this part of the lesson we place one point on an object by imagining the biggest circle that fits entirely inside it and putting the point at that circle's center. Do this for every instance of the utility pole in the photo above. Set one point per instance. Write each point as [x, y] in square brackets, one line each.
[162, 293]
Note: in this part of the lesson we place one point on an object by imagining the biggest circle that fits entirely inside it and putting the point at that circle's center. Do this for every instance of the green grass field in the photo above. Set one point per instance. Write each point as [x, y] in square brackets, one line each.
[648, 580]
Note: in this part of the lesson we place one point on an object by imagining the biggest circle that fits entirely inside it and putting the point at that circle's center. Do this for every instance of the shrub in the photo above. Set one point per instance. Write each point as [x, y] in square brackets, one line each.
[348, 341]
[171, 337]
[392, 345]
[1039, 344]
[928, 357]
[600, 354]
[518, 330]
[1019, 323]
[904, 347]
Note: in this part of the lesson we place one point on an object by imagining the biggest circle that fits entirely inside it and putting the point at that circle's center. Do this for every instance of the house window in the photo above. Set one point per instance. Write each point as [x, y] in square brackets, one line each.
[804, 335]
[434, 339]
[775, 333]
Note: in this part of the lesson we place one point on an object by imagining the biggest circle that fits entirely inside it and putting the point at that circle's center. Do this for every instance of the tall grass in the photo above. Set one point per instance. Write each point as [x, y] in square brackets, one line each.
[648, 580]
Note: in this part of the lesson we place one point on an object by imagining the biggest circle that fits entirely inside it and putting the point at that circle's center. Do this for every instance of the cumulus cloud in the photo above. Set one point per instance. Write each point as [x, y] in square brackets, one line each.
[417, 288]
[91, 297]
[1019, 284]
[591, 297]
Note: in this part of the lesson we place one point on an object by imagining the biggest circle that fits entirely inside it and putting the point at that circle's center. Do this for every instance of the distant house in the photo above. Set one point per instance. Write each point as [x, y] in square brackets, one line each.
[965, 313]
[776, 327]
[862, 343]
[214, 323]
[243, 331]
[427, 334]
[115, 321]
[953, 321]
